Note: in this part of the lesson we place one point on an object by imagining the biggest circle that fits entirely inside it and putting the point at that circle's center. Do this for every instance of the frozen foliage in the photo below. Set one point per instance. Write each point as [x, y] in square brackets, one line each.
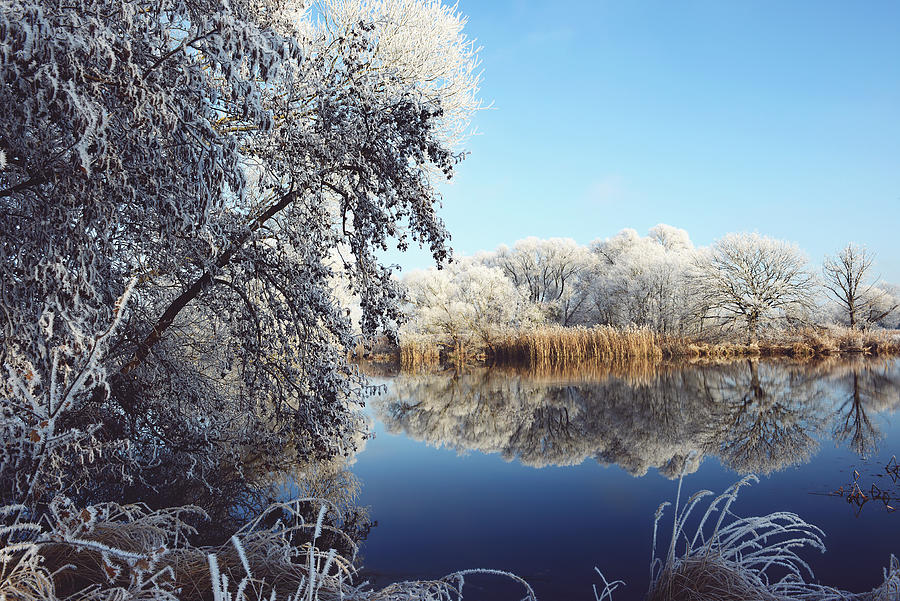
[880, 307]
[623, 281]
[727, 557]
[548, 273]
[643, 281]
[848, 279]
[464, 304]
[130, 553]
[745, 286]
[672, 238]
[216, 156]
[422, 41]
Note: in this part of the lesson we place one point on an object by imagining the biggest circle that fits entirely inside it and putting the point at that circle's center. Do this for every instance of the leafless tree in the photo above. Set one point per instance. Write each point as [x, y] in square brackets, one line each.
[750, 280]
[847, 278]
[548, 272]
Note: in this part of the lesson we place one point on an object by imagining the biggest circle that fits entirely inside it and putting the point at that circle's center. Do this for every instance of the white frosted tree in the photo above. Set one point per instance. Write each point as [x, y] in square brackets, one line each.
[750, 281]
[673, 239]
[549, 273]
[849, 280]
[641, 280]
[216, 155]
[881, 305]
[465, 305]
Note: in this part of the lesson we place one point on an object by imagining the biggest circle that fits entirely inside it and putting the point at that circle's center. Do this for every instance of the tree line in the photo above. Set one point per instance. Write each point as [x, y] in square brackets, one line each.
[745, 287]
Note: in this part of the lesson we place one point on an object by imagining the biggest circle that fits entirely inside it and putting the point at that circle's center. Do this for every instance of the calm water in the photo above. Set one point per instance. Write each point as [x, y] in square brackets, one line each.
[549, 475]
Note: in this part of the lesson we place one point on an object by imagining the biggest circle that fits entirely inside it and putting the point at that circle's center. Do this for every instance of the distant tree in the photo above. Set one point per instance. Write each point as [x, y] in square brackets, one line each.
[672, 238]
[612, 248]
[464, 305]
[641, 280]
[548, 273]
[883, 305]
[749, 281]
[848, 278]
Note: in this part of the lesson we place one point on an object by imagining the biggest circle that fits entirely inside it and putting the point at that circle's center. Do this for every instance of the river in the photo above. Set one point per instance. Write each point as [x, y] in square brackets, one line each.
[549, 474]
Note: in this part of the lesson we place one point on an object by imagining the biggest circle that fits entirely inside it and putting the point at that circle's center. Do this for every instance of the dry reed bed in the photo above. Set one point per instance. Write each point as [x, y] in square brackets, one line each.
[540, 346]
[417, 352]
[802, 343]
[557, 345]
[564, 347]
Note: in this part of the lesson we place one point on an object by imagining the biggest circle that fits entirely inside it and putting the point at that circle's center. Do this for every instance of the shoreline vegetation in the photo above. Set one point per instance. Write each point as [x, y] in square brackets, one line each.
[650, 298]
[725, 557]
[113, 551]
[559, 346]
[131, 553]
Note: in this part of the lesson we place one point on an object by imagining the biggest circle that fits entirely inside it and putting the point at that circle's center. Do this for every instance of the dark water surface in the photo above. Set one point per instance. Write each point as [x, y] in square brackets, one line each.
[549, 475]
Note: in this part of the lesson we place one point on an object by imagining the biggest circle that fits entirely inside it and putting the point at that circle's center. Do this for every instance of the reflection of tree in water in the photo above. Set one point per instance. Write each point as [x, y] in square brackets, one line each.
[869, 388]
[772, 413]
[491, 413]
[755, 416]
[551, 423]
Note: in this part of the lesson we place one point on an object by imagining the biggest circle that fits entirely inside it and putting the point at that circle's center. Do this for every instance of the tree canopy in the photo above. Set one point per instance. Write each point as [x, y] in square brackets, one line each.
[749, 280]
[179, 184]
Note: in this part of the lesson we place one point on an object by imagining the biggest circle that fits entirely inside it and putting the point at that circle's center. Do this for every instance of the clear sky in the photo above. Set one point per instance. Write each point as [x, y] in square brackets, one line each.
[716, 116]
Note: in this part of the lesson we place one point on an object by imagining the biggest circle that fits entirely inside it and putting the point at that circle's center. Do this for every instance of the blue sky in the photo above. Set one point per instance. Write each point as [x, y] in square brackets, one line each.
[778, 117]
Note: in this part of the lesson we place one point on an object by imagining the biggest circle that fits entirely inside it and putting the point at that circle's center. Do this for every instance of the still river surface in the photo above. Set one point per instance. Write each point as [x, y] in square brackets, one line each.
[548, 475]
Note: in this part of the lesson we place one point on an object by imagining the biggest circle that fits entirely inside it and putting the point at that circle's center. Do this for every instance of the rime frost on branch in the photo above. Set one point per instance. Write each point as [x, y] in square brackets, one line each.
[230, 160]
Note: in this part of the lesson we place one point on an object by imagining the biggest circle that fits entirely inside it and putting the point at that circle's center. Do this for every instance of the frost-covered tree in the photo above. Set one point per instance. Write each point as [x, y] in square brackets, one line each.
[848, 278]
[548, 272]
[749, 281]
[641, 280]
[673, 239]
[215, 156]
[881, 305]
[465, 305]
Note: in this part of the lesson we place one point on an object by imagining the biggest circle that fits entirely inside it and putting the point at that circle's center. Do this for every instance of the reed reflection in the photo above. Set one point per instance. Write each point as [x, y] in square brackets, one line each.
[754, 416]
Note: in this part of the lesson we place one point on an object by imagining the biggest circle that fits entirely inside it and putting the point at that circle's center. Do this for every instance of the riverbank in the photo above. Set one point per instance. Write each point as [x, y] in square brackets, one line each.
[561, 346]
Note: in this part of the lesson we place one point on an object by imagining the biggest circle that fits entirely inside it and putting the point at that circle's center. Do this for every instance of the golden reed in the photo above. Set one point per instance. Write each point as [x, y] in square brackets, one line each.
[557, 345]
[417, 352]
[568, 346]
[801, 343]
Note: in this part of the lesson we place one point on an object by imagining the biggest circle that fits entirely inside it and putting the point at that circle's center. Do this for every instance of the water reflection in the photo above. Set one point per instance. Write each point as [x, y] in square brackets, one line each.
[754, 416]
[870, 389]
[771, 415]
